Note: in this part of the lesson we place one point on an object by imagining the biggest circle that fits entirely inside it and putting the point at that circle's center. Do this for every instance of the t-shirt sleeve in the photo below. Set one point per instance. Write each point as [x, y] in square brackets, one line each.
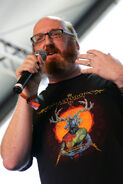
[116, 94]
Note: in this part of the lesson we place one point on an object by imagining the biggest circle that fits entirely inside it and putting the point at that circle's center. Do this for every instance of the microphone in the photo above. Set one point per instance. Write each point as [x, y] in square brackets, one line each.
[24, 79]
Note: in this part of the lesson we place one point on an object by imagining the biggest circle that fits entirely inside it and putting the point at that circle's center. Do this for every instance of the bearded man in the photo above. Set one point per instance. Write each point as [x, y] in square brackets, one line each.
[89, 99]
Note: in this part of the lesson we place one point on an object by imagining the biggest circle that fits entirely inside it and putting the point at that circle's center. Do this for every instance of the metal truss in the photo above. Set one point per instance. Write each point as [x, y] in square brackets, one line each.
[12, 53]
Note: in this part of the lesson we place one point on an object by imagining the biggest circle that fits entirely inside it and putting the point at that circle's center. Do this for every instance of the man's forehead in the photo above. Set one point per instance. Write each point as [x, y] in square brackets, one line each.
[46, 24]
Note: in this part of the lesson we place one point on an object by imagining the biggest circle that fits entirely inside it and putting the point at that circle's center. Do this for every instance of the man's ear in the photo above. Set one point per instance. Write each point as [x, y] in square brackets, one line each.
[77, 45]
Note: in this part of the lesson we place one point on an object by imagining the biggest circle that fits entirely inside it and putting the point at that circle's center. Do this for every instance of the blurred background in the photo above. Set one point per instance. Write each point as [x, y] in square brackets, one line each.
[98, 24]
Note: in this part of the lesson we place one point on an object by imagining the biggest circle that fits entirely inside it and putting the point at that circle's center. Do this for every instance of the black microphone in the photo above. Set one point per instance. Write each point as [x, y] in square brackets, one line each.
[24, 79]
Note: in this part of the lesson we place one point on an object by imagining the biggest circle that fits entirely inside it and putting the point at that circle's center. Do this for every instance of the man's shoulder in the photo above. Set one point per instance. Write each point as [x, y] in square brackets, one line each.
[96, 81]
[103, 83]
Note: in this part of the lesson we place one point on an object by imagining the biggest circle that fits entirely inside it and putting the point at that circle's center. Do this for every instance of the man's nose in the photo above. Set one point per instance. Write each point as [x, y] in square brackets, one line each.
[48, 40]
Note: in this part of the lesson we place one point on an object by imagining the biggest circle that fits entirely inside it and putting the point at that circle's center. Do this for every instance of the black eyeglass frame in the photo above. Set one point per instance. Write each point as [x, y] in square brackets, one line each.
[48, 33]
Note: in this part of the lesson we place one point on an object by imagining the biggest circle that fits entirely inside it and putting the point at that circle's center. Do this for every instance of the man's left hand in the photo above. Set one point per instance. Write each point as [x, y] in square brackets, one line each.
[103, 65]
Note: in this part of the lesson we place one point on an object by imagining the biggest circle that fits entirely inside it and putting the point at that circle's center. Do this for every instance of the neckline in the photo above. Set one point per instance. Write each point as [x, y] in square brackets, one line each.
[65, 81]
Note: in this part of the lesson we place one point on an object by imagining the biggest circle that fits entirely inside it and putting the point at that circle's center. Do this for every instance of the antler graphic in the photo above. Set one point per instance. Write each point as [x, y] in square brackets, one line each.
[58, 119]
[86, 108]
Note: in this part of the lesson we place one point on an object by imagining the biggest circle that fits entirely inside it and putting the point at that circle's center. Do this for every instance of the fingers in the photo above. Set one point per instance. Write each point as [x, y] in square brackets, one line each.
[31, 64]
[90, 58]
[86, 56]
[83, 62]
[85, 59]
[87, 71]
[37, 59]
[95, 52]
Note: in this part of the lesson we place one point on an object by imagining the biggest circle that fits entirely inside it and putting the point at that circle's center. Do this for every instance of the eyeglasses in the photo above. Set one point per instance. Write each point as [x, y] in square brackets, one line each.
[56, 33]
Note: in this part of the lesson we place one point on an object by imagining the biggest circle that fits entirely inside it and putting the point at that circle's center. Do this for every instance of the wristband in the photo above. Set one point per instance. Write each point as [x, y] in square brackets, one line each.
[33, 104]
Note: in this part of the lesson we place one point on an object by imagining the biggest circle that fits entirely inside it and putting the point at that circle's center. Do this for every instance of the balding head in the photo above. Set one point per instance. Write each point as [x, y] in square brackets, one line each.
[57, 22]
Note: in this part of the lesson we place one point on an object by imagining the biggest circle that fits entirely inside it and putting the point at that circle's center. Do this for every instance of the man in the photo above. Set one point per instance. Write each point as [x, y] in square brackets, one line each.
[77, 121]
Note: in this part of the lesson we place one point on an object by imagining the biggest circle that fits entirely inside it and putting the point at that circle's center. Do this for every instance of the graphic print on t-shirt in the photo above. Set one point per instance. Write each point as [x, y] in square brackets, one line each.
[72, 130]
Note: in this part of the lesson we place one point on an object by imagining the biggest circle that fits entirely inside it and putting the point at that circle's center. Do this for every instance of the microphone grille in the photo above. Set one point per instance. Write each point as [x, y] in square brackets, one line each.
[42, 53]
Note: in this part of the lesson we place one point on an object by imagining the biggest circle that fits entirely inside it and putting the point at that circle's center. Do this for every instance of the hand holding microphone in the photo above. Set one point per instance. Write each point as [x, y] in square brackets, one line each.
[26, 75]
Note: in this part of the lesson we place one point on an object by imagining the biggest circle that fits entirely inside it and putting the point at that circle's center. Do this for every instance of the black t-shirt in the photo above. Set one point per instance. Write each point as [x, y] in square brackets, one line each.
[77, 133]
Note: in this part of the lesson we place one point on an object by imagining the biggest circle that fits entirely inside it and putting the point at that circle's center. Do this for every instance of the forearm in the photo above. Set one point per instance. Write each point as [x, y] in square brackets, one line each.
[17, 141]
[119, 79]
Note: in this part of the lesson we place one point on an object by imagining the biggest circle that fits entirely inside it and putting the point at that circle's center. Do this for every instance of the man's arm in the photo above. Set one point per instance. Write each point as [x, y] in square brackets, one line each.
[17, 141]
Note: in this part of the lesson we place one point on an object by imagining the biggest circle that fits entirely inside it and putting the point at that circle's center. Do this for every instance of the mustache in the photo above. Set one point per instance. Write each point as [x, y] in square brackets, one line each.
[52, 49]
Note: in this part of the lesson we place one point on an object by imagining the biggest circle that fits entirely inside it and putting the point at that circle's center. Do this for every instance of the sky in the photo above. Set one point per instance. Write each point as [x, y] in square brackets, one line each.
[107, 36]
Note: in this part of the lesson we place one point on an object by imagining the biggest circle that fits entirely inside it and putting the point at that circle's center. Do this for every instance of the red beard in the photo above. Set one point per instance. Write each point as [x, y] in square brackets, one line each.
[59, 64]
